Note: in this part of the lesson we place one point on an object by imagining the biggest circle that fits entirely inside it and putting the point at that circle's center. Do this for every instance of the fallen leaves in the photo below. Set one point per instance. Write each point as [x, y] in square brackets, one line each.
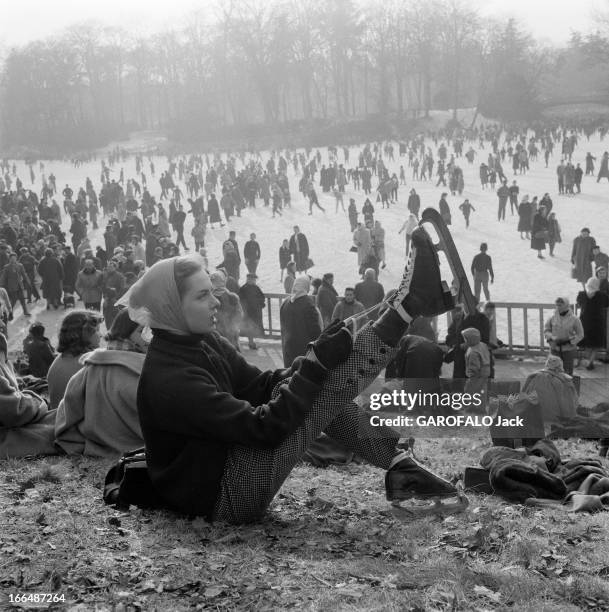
[327, 542]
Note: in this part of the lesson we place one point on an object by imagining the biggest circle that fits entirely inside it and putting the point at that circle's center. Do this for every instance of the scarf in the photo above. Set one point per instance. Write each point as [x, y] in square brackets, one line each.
[154, 301]
[301, 287]
[592, 286]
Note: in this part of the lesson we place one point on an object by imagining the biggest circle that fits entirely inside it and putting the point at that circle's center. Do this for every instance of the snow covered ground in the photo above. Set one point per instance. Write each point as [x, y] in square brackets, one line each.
[520, 275]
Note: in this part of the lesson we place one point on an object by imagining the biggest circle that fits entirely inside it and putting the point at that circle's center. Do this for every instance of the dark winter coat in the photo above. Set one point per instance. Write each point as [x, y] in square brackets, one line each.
[539, 232]
[593, 316]
[326, 301]
[369, 293]
[284, 257]
[302, 254]
[414, 204]
[445, 211]
[197, 398]
[454, 339]
[300, 324]
[51, 272]
[70, 270]
[252, 302]
[524, 217]
[40, 355]
[213, 211]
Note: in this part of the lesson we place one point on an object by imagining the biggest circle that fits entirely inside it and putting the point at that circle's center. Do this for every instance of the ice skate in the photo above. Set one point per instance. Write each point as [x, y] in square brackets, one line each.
[422, 291]
[461, 286]
[407, 479]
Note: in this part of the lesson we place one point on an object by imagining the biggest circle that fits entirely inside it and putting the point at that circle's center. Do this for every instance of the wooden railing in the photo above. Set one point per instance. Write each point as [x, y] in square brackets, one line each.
[519, 325]
[272, 327]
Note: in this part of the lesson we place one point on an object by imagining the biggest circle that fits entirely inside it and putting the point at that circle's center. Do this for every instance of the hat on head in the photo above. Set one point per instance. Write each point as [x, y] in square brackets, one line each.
[471, 333]
[554, 364]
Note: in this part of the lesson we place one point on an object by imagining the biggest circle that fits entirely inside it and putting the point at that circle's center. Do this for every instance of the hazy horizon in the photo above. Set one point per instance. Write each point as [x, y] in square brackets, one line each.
[547, 21]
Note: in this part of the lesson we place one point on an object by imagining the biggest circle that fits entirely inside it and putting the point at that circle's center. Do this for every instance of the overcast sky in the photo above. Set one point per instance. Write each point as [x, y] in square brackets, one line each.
[24, 20]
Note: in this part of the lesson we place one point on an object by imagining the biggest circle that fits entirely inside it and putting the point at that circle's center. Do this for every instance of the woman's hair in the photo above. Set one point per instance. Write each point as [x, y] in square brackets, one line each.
[122, 326]
[291, 266]
[76, 330]
[185, 267]
[3, 345]
[37, 330]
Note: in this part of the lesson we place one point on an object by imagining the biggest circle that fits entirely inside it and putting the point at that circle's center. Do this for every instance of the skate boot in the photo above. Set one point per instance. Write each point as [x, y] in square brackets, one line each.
[407, 479]
[422, 291]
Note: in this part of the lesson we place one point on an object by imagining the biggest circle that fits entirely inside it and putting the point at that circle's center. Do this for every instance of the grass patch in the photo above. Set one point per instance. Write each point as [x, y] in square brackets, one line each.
[329, 542]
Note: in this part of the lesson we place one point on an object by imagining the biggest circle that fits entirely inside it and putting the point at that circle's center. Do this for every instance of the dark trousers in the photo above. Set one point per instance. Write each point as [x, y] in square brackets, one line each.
[32, 290]
[180, 238]
[15, 296]
[252, 265]
[501, 211]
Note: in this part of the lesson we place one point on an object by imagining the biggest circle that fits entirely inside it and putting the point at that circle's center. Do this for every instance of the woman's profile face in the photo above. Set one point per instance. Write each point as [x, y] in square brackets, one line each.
[199, 304]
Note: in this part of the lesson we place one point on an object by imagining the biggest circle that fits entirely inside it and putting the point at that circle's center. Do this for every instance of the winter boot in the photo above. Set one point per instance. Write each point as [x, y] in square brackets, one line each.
[422, 291]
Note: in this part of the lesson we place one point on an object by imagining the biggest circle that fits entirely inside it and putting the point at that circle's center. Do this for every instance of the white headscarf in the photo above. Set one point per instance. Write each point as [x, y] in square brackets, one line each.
[301, 287]
[593, 284]
[154, 300]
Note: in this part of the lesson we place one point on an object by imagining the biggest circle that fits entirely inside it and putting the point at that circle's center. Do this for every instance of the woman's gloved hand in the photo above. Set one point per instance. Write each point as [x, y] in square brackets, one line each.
[333, 346]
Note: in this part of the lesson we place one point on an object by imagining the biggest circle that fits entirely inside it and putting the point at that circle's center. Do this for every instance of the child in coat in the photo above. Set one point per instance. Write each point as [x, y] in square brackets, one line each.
[477, 364]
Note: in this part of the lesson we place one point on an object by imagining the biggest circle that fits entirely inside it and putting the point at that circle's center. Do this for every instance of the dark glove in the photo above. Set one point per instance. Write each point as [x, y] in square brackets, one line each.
[333, 346]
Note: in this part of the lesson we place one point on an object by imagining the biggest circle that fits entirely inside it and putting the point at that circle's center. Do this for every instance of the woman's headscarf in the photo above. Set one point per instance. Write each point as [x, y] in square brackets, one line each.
[301, 287]
[593, 284]
[154, 300]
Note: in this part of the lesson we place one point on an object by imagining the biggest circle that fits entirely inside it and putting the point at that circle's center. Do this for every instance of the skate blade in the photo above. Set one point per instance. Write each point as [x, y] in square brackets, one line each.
[437, 509]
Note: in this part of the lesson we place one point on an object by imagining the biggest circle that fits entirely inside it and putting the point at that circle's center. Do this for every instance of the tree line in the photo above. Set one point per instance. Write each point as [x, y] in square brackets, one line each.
[281, 62]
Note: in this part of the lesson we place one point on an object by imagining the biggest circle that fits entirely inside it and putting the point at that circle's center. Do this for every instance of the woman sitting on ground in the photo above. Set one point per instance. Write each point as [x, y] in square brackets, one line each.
[26, 423]
[222, 436]
[98, 413]
[78, 334]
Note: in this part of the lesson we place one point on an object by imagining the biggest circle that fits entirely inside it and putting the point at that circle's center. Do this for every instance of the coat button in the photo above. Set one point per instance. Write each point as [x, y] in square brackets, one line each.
[371, 361]
[361, 372]
[350, 381]
[382, 351]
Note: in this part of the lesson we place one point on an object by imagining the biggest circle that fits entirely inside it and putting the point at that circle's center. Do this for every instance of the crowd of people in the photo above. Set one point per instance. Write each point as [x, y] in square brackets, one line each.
[139, 262]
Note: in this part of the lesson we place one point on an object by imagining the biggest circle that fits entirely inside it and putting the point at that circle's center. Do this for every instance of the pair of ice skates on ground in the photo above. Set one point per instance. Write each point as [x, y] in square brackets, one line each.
[422, 292]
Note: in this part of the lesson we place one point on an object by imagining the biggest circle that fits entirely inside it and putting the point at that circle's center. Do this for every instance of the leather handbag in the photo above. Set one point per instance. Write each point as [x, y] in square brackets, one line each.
[128, 483]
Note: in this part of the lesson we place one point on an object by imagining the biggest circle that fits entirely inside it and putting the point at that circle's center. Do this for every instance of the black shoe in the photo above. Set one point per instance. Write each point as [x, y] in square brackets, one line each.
[590, 366]
[422, 291]
[407, 479]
